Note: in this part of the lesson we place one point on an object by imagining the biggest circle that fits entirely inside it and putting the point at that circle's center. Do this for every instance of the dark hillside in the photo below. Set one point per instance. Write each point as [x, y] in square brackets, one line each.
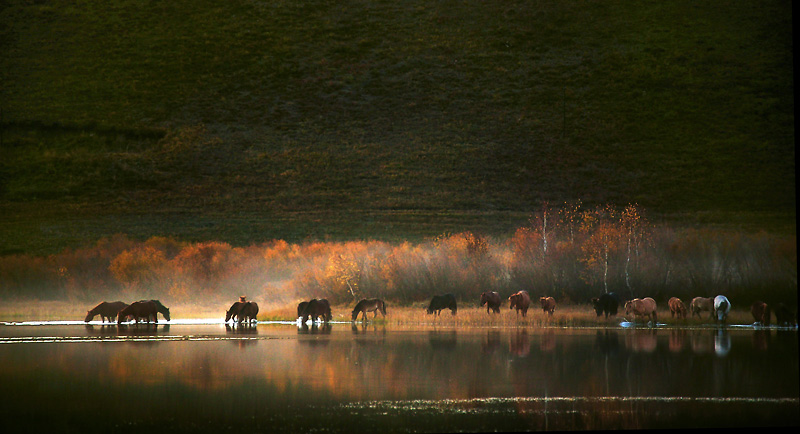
[248, 120]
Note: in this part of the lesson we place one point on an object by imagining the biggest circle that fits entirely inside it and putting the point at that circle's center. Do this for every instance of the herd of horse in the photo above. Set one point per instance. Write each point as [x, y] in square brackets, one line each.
[718, 308]
[607, 304]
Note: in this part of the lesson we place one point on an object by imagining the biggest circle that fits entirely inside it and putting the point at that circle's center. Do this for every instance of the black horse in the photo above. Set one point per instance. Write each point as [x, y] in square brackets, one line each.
[316, 308]
[606, 304]
[369, 305]
[439, 302]
[301, 307]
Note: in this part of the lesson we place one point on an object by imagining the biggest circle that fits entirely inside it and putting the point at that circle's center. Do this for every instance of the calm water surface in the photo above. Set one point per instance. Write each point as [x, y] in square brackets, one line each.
[280, 377]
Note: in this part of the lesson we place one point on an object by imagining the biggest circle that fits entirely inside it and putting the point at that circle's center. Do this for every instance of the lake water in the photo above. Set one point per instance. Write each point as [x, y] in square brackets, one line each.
[191, 376]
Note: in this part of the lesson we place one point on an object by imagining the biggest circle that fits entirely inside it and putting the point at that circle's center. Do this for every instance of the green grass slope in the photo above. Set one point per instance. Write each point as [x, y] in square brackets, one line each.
[249, 120]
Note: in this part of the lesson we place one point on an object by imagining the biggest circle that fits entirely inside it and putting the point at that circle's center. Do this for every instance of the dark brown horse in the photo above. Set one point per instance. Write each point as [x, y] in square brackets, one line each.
[369, 305]
[761, 312]
[492, 301]
[677, 308]
[521, 300]
[783, 315]
[316, 308]
[106, 310]
[242, 311]
[301, 307]
[440, 302]
[163, 310]
[139, 309]
[234, 310]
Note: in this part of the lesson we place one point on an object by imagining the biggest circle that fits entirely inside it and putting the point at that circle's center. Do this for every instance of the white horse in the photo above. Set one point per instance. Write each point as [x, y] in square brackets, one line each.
[721, 308]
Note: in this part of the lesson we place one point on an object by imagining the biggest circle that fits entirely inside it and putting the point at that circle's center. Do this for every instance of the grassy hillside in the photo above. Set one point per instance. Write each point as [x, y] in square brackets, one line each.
[247, 120]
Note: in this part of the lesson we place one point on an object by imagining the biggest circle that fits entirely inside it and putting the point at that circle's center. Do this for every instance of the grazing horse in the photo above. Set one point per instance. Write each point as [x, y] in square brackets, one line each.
[106, 310]
[548, 304]
[318, 307]
[521, 300]
[701, 304]
[440, 302]
[163, 310]
[721, 308]
[642, 307]
[606, 304]
[784, 316]
[676, 307]
[492, 301]
[234, 310]
[139, 309]
[761, 312]
[369, 305]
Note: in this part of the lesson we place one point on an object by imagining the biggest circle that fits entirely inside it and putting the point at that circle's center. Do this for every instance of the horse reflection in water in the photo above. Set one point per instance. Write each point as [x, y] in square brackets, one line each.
[607, 341]
[315, 329]
[492, 342]
[641, 340]
[442, 340]
[701, 341]
[363, 328]
[519, 344]
[548, 341]
[677, 340]
[761, 339]
[722, 342]
[245, 328]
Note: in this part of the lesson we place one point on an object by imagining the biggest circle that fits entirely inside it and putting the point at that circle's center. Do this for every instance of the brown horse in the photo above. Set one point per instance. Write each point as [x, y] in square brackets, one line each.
[641, 307]
[492, 301]
[369, 305]
[702, 304]
[548, 304]
[139, 309]
[761, 312]
[316, 308]
[521, 300]
[677, 308]
[106, 310]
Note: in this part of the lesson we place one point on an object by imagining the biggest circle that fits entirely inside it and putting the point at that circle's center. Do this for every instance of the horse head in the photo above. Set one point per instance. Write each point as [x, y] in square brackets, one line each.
[89, 316]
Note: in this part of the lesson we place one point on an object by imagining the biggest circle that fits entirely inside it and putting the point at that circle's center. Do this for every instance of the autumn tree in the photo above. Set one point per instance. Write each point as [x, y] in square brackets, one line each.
[602, 230]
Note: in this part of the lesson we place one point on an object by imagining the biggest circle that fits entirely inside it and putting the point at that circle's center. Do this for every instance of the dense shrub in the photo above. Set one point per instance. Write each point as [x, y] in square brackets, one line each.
[578, 255]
